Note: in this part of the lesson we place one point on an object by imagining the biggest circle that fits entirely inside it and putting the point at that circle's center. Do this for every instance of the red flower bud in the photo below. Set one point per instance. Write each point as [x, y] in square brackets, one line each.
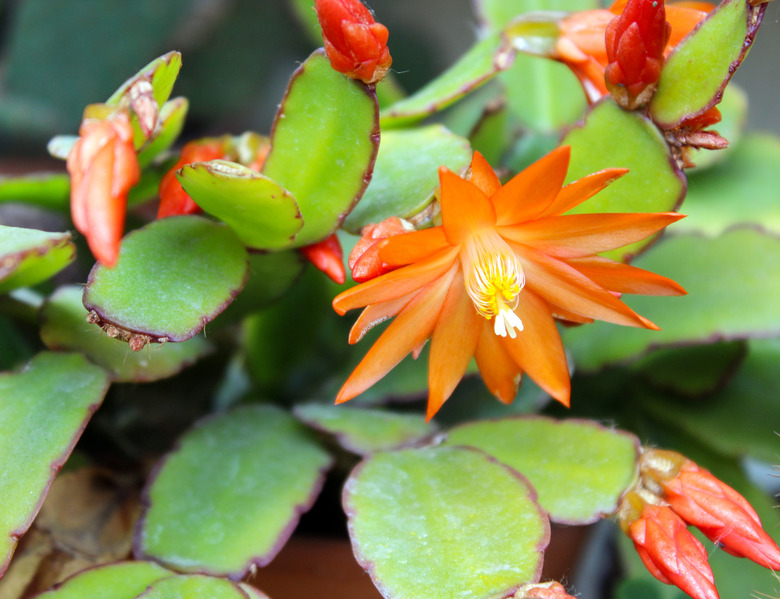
[327, 256]
[364, 260]
[103, 166]
[173, 199]
[722, 514]
[542, 590]
[356, 45]
[635, 42]
[671, 553]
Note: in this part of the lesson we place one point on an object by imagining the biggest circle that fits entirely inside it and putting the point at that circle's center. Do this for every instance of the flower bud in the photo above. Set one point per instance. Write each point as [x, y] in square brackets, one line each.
[103, 166]
[327, 256]
[635, 42]
[542, 590]
[364, 260]
[355, 44]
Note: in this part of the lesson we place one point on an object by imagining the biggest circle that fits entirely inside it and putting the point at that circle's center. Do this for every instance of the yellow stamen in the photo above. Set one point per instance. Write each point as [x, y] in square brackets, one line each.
[493, 280]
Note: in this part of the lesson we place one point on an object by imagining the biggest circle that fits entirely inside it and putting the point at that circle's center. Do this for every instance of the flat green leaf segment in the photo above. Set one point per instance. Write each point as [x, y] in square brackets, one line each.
[28, 256]
[364, 431]
[478, 65]
[161, 73]
[406, 173]
[698, 69]
[261, 212]
[173, 276]
[742, 418]
[241, 479]
[733, 283]
[444, 523]
[43, 410]
[740, 190]
[170, 123]
[124, 580]
[48, 190]
[579, 469]
[323, 145]
[64, 327]
[194, 587]
[614, 138]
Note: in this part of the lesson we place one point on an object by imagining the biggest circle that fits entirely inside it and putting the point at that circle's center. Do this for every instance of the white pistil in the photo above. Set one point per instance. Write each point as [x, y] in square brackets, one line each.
[506, 322]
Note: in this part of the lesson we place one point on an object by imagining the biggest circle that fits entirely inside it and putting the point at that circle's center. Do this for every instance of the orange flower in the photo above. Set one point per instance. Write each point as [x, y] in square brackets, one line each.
[327, 256]
[364, 260]
[173, 199]
[489, 282]
[103, 166]
[355, 44]
[582, 44]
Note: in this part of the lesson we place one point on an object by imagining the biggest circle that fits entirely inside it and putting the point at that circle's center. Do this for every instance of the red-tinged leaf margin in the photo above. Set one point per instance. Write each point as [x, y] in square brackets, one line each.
[370, 567]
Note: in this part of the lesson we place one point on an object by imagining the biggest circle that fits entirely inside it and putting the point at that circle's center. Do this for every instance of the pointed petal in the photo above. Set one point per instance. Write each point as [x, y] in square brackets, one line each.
[409, 330]
[376, 314]
[576, 192]
[566, 316]
[105, 213]
[499, 371]
[531, 191]
[464, 208]
[622, 278]
[396, 283]
[683, 17]
[561, 285]
[412, 247]
[580, 235]
[453, 344]
[483, 175]
[538, 349]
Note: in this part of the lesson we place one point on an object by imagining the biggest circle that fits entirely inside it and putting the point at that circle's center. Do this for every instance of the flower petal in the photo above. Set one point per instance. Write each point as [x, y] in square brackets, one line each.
[576, 192]
[413, 246]
[375, 314]
[538, 349]
[483, 175]
[105, 213]
[532, 191]
[623, 278]
[395, 284]
[580, 235]
[499, 371]
[409, 330]
[561, 285]
[453, 344]
[464, 208]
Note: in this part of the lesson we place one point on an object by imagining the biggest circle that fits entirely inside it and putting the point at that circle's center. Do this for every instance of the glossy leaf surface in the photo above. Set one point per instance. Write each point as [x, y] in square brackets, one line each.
[732, 282]
[123, 580]
[579, 469]
[364, 431]
[241, 479]
[324, 143]
[43, 410]
[698, 69]
[64, 327]
[739, 190]
[406, 173]
[28, 256]
[173, 276]
[478, 65]
[261, 212]
[446, 522]
[614, 138]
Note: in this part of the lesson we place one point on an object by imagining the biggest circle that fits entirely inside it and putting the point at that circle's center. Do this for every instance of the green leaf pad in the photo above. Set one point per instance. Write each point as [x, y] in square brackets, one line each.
[230, 495]
[406, 173]
[48, 190]
[43, 410]
[698, 69]
[64, 327]
[444, 523]
[173, 276]
[733, 283]
[28, 256]
[193, 587]
[579, 469]
[614, 138]
[123, 580]
[261, 212]
[323, 145]
[364, 431]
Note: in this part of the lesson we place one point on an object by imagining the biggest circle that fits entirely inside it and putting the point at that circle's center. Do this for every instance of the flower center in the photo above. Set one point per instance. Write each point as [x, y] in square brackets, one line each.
[493, 280]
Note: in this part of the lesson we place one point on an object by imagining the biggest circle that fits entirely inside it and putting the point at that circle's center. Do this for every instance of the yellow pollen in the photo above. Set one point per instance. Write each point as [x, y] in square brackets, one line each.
[493, 280]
